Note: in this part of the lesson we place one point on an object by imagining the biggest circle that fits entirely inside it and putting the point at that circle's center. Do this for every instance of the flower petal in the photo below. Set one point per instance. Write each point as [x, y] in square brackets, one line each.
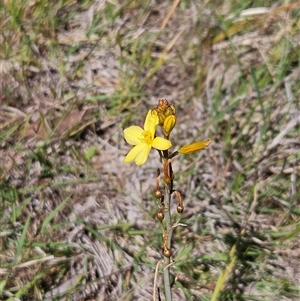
[151, 122]
[131, 156]
[143, 155]
[133, 134]
[161, 143]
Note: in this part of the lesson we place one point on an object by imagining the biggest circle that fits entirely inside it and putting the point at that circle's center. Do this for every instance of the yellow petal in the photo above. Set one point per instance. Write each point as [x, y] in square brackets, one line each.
[169, 124]
[190, 148]
[130, 157]
[161, 143]
[143, 155]
[151, 122]
[133, 135]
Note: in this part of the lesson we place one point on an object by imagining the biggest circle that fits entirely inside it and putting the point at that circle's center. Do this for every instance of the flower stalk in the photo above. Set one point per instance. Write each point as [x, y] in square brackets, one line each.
[142, 140]
[167, 242]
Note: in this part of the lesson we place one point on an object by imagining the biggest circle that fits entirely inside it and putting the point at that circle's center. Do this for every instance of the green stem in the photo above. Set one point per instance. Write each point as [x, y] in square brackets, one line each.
[168, 220]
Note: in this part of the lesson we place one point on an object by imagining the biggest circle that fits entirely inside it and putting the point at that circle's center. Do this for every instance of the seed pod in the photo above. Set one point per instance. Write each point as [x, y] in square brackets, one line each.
[180, 209]
[167, 253]
[179, 199]
[160, 214]
[158, 194]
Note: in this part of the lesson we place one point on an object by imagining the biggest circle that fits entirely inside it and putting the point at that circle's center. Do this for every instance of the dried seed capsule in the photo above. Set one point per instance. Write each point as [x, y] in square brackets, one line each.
[180, 209]
[158, 194]
[160, 215]
[167, 253]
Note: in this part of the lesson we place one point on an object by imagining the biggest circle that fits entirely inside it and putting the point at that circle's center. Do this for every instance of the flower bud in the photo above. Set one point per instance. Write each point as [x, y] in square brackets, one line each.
[169, 124]
[170, 110]
[163, 104]
[161, 116]
[163, 110]
[190, 148]
[173, 108]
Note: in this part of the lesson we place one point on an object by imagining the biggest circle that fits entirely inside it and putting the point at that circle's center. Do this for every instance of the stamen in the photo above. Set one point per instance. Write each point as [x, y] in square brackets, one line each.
[147, 137]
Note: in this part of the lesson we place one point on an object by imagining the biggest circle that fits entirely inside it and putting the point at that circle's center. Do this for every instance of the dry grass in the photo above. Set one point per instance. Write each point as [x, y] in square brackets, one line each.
[78, 224]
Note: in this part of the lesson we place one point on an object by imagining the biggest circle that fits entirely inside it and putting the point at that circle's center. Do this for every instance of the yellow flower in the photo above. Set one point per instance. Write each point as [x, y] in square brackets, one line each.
[144, 140]
[190, 148]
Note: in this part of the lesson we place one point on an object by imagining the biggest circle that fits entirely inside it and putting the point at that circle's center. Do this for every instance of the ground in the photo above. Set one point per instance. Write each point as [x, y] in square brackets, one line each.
[79, 224]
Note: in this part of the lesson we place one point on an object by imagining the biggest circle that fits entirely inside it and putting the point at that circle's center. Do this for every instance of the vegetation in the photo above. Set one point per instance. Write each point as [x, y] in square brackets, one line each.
[76, 223]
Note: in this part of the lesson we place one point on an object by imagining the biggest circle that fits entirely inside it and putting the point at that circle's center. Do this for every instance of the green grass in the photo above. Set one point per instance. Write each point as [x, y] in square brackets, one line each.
[76, 222]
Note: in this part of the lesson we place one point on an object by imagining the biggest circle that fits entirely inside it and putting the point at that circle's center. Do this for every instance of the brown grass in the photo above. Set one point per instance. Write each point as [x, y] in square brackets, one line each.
[72, 77]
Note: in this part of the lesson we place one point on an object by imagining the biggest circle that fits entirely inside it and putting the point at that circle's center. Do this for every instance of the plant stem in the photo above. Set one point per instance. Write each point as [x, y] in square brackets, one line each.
[167, 281]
